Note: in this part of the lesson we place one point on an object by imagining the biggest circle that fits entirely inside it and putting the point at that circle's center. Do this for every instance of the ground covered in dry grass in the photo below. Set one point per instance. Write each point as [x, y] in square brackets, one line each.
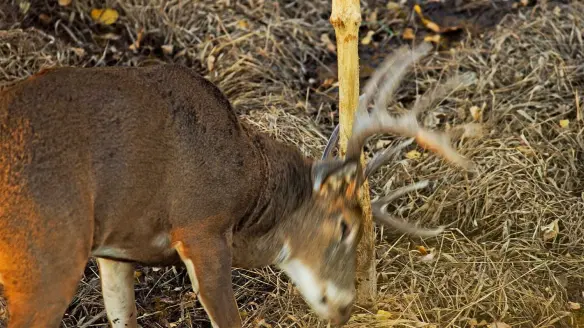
[514, 251]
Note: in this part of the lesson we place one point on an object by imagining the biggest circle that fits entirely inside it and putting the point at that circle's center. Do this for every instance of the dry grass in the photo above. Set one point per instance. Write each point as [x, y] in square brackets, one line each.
[493, 264]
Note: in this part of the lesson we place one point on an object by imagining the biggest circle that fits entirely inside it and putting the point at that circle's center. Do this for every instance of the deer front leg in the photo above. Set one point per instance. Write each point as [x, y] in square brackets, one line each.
[117, 284]
[208, 263]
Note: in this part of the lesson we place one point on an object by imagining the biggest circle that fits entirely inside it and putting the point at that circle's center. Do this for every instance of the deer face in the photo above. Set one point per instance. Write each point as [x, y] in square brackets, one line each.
[319, 257]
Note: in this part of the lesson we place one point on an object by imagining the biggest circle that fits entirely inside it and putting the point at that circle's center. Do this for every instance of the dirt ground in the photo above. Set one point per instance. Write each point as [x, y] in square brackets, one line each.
[513, 255]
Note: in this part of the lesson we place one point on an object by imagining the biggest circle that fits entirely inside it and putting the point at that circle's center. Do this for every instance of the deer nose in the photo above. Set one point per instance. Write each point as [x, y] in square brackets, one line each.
[343, 315]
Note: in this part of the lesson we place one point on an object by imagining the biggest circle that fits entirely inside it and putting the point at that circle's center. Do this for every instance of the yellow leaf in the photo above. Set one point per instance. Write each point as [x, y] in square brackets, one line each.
[574, 306]
[211, 62]
[413, 154]
[408, 34]
[367, 39]
[428, 23]
[476, 113]
[499, 325]
[243, 314]
[526, 150]
[422, 250]
[104, 16]
[137, 274]
[383, 315]
[64, 2]
[564, 123]
[432, 38]
[551, 230]
[243, 24]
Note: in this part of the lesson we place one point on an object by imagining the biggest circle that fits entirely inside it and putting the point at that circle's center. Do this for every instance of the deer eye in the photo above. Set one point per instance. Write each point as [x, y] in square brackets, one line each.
[344, 230]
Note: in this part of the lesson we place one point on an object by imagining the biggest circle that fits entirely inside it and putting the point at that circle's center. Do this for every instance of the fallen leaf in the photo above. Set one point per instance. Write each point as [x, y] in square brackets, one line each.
[243, 24]
[80, 52]
[574, 306]
[551, 230]
[499, 325]
[422, 250]
[476, 113]
[428, 23]
[564, 123]
[324, 38]
[328, 82]
[104, 16]
[475, 323]
[367, 39]
[470, 130]
[433, 38]
[243, 314]
[24, 6]
[137, 274]
[525, 150]
[167, 49]
[372, 17]
[211, 63]
[428, 257]
[64, 2]
[136, 44]
[393, 6]
[413, 154]
[45, 19]
[383, 315]
[408, 34]
[431, 25]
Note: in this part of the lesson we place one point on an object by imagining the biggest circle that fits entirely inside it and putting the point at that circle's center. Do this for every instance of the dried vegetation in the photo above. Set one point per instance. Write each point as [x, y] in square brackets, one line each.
[514, 250]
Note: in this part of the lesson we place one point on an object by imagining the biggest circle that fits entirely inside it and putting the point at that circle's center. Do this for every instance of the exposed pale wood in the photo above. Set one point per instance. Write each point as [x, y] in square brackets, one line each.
[346, 18]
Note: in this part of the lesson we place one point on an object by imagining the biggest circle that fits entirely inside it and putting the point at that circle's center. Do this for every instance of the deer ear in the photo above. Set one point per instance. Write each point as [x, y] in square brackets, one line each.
[334, 177]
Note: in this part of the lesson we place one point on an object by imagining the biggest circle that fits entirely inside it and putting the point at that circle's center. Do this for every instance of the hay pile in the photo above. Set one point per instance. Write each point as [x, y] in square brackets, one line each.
[493, 264]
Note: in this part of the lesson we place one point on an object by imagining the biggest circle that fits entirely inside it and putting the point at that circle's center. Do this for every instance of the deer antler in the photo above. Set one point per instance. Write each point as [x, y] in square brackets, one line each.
[378, 207]
[380, 121]
[331, 143]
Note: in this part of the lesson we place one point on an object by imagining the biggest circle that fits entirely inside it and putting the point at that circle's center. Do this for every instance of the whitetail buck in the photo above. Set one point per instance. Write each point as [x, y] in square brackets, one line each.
[151, 165]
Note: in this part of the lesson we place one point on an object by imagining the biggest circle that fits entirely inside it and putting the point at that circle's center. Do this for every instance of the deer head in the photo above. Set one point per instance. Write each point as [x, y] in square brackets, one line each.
[321, 258]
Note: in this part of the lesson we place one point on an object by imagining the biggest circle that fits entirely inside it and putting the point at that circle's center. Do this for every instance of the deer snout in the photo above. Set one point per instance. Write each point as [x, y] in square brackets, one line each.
[340, 303]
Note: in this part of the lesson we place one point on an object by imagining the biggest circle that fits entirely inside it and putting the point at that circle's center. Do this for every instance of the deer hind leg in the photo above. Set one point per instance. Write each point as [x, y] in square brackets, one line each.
[117, 285]
[39, 289]
[209, 266]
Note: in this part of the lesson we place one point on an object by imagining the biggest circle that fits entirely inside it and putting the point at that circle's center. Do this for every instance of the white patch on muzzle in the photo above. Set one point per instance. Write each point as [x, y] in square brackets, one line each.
[314, 290]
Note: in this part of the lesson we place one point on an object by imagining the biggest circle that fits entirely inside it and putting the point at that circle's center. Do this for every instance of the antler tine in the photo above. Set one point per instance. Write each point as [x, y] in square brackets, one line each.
[331, 143]
[452, 84]
[384, 156]
[366, 125]
[372, 83]
[403, 62]
[400, 192]
[381, 216]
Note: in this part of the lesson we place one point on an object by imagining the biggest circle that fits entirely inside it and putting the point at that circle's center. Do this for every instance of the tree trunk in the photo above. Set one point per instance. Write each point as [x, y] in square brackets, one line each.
[346, 18]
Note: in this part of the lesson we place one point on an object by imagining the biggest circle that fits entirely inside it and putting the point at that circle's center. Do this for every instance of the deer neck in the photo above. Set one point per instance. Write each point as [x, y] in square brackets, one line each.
[286, 178]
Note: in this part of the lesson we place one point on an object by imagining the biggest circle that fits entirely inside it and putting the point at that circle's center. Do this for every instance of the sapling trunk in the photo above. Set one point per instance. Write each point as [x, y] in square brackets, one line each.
[346, 18]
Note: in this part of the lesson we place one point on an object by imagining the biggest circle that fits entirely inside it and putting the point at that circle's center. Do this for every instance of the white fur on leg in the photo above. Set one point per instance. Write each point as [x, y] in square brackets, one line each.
[117, 285]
